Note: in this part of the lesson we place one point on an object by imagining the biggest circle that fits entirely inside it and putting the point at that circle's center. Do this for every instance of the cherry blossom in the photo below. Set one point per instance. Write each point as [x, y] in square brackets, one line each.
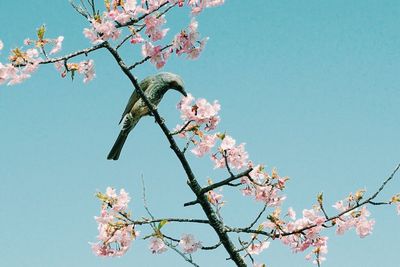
[257, 248]
[291, 213]
[153, 27]
[136, 38]
[157, 56]
[1, 45]
[186, 42]
[214, 198]
[205, 145]
[57, 45]
[101, 30]
[115, 232]
[199, 5]
[87, 69]
[189, 244]
[157, 245]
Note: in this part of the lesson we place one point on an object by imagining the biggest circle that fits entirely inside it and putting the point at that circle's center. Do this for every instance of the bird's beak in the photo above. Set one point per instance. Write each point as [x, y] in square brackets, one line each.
[184, 92]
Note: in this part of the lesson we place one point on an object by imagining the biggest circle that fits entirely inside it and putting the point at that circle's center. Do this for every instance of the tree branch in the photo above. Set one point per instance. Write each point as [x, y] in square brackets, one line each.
[192, 182]
[358, 205]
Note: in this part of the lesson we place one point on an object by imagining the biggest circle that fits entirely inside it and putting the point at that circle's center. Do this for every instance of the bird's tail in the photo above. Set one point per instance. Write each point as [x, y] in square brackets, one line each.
[128, 123]
[117, 147]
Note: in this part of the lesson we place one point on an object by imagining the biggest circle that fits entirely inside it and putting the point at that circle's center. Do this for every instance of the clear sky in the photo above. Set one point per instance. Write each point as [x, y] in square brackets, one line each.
[311, 87]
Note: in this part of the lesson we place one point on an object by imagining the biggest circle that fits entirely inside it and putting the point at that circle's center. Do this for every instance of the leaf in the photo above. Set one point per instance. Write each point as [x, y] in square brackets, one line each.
[161, 224]
[40, 32]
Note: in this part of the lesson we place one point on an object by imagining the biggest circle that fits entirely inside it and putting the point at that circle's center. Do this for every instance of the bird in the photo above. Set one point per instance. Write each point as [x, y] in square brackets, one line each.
[154, 87]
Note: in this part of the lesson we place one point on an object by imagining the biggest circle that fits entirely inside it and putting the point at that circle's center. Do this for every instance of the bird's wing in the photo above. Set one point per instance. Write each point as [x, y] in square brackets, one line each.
[135, 97]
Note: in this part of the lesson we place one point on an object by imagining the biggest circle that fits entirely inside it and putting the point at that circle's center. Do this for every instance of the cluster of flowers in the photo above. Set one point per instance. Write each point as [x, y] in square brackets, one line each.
[356, 218]
[86, 68]
[302, 233]
[119, 12]
[187, 243]
[116, 232]
[23, 62]
[201, 117]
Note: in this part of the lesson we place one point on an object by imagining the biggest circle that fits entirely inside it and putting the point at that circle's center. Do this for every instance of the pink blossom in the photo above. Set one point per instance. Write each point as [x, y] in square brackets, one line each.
[364, 227]
[101, 31]
[120, 17]
[28, 41]
[339, 206]
[1, 45]
[153, 27]
[122, 201]
[7, 72]
[205, 145]
[237, 157]
[137, 38]
[122, 239]
[32, 53]
[291, 213]
[189, 244]
[115, 232]
[227, 143]
[213, 3]
[157, 57]
[57, 45]
[257, 248]
[188, 43]
[201, 112]
[157, 245]
[154, 4]
[214, 198]
[87, 69]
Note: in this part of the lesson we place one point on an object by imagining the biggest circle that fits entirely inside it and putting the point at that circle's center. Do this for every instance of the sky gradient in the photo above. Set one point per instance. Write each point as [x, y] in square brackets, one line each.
[312, 88]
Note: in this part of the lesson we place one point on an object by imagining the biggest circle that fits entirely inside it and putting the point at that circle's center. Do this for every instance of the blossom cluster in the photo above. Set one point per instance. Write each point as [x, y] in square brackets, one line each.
[187, 243]
[118, 13]
[86, 68]
[355, 217]
[199, 119]
[25, 61]
[116, 232]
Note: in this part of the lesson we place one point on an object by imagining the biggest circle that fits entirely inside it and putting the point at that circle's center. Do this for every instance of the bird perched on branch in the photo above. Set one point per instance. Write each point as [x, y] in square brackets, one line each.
[154, 87]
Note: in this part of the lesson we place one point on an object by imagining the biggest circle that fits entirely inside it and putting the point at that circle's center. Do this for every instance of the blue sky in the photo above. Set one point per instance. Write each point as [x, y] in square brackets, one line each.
[312, 88]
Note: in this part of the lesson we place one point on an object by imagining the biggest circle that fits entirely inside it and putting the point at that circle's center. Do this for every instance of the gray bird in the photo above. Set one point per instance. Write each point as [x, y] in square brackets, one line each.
[154, 88]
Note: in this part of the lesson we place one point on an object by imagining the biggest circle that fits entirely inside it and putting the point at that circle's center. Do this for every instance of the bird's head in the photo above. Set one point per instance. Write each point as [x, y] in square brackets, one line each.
[174, 82]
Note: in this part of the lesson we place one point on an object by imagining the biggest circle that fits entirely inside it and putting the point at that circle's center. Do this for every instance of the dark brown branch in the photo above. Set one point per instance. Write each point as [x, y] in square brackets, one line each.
[219, 184]
[192, 182]
[226, 181]
[182, 129]
[146, 221]
[212, 247]
[85, 52]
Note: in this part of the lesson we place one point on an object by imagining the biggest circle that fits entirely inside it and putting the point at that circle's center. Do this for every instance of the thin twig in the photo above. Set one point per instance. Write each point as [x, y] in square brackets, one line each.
[211, 247]
[258, 216]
